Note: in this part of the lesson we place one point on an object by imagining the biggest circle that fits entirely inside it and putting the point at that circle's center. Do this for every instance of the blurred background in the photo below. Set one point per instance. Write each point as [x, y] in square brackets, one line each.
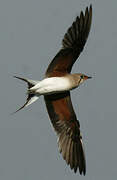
[30, 36]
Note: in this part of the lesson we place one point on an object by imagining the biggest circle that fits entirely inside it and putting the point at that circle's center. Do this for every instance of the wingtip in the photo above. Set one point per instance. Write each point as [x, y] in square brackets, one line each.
[90, 9]
[91, 6]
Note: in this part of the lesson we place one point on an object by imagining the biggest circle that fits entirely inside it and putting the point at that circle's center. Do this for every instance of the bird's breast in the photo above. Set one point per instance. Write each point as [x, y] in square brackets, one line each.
[54, 85]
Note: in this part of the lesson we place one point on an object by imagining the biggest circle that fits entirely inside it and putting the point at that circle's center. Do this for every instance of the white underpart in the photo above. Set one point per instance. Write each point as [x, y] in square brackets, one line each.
[52, 85]
[34, 82]
[32, 100]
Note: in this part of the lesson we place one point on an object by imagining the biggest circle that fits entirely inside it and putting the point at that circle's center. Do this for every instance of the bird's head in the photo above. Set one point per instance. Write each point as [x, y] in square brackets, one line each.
[80, 78]
[83, 78]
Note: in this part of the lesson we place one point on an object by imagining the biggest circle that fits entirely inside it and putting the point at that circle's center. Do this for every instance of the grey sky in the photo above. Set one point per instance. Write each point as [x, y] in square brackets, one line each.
[30, 36]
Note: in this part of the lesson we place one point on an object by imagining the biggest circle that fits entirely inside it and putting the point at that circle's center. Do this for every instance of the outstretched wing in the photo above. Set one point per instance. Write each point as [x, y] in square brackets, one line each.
[72, 45]
[67, 127]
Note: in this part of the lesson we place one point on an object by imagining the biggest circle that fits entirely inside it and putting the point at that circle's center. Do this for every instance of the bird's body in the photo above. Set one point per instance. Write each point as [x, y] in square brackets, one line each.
[56, 88]
[51, 85]
[55, 85]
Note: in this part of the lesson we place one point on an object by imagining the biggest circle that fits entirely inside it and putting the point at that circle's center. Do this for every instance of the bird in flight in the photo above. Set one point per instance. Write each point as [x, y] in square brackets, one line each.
[56, 88]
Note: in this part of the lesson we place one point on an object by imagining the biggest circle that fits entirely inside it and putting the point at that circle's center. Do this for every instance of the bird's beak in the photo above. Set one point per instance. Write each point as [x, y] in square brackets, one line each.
[89, 77]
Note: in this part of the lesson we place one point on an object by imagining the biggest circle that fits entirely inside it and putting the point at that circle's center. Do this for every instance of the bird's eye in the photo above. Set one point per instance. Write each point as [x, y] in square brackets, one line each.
[82, 76]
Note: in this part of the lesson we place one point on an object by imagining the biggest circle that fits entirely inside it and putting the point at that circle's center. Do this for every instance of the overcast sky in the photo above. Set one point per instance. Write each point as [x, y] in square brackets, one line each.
[30, 36]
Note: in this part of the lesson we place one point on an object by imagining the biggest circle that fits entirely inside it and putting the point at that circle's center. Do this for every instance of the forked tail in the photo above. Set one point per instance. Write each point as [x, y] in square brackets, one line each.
[31, 97]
